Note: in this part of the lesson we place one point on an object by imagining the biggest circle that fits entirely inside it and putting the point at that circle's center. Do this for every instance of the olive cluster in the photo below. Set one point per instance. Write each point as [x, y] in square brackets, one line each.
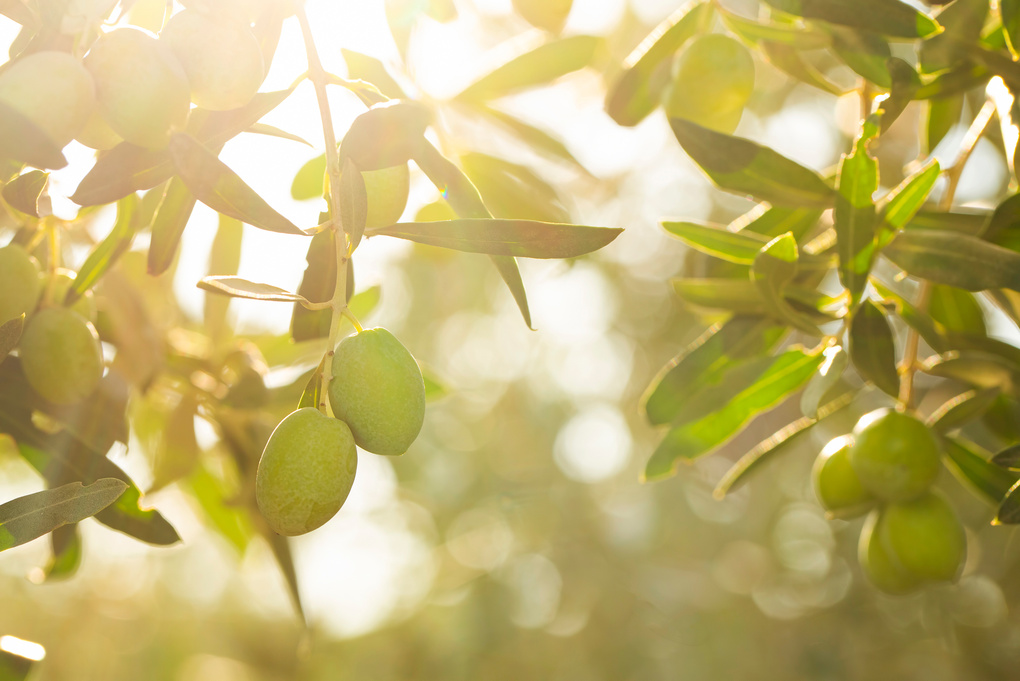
[377, 396]
[132, 86]
[887, 466]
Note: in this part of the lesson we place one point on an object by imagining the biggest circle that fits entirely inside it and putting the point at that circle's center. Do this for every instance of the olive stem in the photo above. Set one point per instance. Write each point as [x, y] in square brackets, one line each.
[318, 76]
[908, 367]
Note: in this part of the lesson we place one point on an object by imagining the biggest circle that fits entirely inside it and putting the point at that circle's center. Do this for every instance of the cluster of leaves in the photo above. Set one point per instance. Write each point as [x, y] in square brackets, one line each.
[165, 372]
[906, 260]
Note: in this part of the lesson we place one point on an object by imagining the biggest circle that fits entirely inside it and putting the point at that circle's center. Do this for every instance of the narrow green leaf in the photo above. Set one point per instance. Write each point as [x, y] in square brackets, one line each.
[353, 202]
[463, 197]
[790, 61]
[970, 464]
[743, 296]
[311, 396]
[744, 167]
[1009, 509]
[955, 260]
[885, 17]
[386, 135]
[973, 223]
[540, 66]
[981, 369]
[771, 221]
[1003, 228]
[901, 204]
[799, 37]
[22, 141]
[943, 115]
[219, 187]
[705, 362]
[786, 373]
[956, 310]
[963, 21]
[872, 348]
[903, 87]
[736, 247]
[854, 215]
[109, 250]
[317, 285]
[273, 131]
[35, 515]
[824, 380]
[370, 69]
[519, 238]
[127, 168]
[168, 225]
[24, 191]
[237, 287]
[638, 88]
[1008, 458]
[865, 53]
[10, 334]
[775, 444]
[67, 550]
[962, 409]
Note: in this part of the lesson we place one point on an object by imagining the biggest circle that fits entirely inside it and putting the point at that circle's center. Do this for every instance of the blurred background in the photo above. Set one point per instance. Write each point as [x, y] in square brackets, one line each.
[515, 539]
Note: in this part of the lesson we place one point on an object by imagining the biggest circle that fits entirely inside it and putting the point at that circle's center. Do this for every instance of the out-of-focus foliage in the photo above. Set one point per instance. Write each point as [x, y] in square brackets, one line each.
[514, 539]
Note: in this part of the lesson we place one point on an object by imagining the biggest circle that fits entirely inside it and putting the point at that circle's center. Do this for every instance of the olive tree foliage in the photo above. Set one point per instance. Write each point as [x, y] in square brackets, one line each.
[842, 284]
[97, 376]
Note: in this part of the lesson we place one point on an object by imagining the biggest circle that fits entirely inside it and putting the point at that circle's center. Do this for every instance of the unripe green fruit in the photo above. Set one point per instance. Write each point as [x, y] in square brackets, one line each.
[836, 484]
[387, 190]
[377, 389]
[712, 80]
[19, 283]
[924, 537]
[52, 90]
[878, 565]
[306, 472]
[895, 456]
[221, 57]
[61, 355]
[140, 86]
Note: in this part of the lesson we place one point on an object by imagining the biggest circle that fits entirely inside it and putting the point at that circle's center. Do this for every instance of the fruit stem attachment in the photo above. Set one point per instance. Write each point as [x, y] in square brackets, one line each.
[953, 174]
[338, 304]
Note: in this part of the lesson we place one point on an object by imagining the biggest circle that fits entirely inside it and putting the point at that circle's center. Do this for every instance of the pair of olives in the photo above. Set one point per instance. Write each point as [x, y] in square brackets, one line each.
[59, 348]
[888, 466]
[307, 468]
[132, 86]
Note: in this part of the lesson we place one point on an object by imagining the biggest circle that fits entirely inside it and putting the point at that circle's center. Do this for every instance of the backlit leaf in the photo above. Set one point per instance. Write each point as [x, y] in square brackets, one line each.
[168, 225]
[24, 191]
[962, 409]
[970, 464]
[105, 254]
[737, 247]
[885, 17]
[242, 288]
[854, 215]
[34, 515]
[872, 348]
[955, 260]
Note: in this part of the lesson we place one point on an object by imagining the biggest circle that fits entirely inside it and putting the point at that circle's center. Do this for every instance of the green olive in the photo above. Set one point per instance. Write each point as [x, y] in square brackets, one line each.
[377, 389]
[61, 355]
[306, 472]
[836, 485]
[141, 88]
[925, 537]
[85, 305]
[221, 56]
[712, 80]
[878, 565]
[895, 456]
[19, 283]
[52, 90]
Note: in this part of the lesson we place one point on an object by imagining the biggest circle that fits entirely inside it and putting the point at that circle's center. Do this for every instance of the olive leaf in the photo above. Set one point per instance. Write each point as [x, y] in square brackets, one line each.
[34, 515]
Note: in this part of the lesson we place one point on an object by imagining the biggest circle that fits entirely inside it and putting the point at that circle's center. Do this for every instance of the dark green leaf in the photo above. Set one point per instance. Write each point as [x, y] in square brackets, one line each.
[872, 348]
[540, 66]
[638, 88]
[168, 225]
[744, 167]
[1004, 227]
[1008, 458]
[386, 135]
[353, 202]
[10, 334]
[217, 186]
[776, 444]
[962, 409]
[956, 310]
[905, 84]
[463, 197]
[824, 380]
[24, 191]
[963, 21]
[981, 369]
[32, 516]
[242, 288]
[970, 465]
[737, 247]
[109, 250]
[519, 238]
[21, 140]
[1009, 510]
[706, 361]
[127, 168]
[955, 260]
[785, 374]
[370, 69]
[854, 216]
[885, 17]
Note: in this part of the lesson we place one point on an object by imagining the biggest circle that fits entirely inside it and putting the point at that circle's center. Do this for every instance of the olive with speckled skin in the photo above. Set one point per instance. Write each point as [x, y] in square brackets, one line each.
[378, 390]
[306, 472]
